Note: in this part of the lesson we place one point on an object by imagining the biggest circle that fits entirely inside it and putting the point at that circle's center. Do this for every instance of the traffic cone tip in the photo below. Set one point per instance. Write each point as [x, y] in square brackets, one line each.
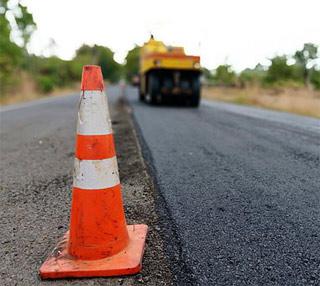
[92, 78]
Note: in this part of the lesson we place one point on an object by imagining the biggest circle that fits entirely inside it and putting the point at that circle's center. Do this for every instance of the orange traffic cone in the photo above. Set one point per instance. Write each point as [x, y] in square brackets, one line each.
[99, 242]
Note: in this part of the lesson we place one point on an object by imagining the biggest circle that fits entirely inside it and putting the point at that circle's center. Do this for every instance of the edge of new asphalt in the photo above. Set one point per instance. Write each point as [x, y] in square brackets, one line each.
[182, 273]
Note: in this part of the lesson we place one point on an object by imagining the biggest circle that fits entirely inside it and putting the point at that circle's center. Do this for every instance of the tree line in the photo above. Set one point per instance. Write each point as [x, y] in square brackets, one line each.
[297, 70]
[47, 72]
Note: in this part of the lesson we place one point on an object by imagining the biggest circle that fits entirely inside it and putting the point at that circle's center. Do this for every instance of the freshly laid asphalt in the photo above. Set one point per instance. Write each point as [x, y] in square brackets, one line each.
[241, 186]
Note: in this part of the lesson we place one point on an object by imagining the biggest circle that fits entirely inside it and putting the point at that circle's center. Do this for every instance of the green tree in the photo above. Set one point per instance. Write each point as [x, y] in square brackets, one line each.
[11, 55]
[304, 59]
[281, 73]
[131, 67]
[315, 78]
[225, 76]
[207, 74]
[102, 56]
[52, 72]
[21, 20]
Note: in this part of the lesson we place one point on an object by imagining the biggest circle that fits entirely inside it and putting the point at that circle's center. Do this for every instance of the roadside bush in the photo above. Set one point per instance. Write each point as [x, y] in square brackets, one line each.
[55, 69]
[224, 76]
[45, 83]
[315, 78]
[252, 77]
[279, 70]
[53, 72]
[10, 57]
[75, 67]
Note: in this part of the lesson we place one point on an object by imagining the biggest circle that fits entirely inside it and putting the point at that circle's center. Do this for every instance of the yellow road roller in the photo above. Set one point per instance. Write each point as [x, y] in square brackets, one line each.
[166, 72]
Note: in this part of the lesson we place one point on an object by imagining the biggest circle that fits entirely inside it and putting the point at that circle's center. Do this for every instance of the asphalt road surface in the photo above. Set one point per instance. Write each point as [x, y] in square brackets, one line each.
[242, 187]
[36, 156]
[237, 192]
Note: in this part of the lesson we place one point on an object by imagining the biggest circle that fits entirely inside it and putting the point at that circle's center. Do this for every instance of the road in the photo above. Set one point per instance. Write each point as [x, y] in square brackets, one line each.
[236, 199]
[242, 189]
[36, 156]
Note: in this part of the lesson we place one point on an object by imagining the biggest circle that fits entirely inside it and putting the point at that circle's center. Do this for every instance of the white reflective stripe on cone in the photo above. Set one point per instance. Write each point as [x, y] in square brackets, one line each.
[96, 174]
[93, 115]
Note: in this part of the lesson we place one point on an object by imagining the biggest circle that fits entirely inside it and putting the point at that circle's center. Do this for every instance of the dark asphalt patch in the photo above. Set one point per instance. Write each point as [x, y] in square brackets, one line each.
[241, 188]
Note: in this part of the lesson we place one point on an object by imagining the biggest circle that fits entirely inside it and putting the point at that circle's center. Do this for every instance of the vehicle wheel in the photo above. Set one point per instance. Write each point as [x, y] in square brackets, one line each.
[153, 89]
[141, 96]
[195, 100]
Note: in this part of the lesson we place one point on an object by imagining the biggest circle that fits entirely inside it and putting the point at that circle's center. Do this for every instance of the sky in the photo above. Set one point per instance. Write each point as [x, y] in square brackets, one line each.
[237, 32]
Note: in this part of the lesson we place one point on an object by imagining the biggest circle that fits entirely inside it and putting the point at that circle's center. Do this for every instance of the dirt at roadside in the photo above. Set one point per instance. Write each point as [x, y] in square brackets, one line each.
[139, 199]
[301, 101]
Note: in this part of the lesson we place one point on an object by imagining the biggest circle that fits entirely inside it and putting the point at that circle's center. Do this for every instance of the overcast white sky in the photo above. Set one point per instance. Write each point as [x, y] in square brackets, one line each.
[239, 32]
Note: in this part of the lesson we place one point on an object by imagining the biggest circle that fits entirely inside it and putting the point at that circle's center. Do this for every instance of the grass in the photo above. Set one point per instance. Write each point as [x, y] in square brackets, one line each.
[301, 101]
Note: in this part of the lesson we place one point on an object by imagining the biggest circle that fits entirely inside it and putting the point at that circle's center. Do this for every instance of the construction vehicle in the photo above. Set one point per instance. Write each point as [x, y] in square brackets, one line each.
[167, 72]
